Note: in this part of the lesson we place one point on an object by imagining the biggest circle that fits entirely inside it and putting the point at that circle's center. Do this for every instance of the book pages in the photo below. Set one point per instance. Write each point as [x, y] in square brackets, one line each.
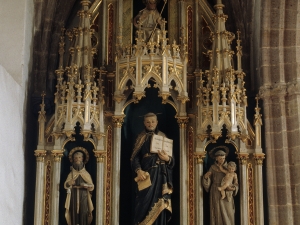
[160, 143]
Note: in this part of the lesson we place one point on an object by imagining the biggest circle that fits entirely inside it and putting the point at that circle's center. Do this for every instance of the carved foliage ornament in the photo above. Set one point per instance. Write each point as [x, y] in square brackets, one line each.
[118, 121]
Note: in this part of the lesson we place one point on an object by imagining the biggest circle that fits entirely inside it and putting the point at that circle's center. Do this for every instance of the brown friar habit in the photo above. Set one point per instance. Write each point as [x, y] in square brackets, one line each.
[221, 210]
[79, 204]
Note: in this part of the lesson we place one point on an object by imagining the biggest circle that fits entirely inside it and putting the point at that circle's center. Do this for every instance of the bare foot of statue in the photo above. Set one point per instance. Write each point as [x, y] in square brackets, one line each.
[222, 192]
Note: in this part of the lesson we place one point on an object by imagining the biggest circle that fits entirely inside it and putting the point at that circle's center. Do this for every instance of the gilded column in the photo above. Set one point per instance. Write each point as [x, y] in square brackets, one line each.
[199, 188]
[259, 206]
[243, 158]
[57, 154]
[39, 187]
[100, 155]
[116, 169]
[183, 157]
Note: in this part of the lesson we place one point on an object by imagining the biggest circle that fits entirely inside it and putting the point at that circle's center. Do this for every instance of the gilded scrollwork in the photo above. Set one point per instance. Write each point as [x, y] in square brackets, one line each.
[199, 156]
[243, 158]
[164, 96]
[100, 155]
[259, 158]
[182, 121]
[118, 121]
[57, 155]
[127, 73]
[40, 155]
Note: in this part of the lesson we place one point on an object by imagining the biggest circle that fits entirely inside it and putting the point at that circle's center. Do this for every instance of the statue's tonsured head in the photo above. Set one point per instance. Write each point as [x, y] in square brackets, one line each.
[151, 1]
[78, 154]
[150, 114]
[220, 153]
[220, 150]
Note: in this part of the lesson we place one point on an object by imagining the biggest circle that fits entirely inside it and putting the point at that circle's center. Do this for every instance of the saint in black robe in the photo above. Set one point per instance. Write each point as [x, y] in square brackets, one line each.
[152, 204]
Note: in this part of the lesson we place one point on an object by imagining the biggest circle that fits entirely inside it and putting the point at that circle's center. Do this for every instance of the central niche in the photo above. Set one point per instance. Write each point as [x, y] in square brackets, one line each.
[132, 126]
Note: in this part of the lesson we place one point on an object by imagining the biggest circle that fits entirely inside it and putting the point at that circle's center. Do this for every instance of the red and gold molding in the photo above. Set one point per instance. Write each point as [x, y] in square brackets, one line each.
[190, 34]
[110, 33]
[47, 193]
[108, 175]
[251, 194]
[191, 174]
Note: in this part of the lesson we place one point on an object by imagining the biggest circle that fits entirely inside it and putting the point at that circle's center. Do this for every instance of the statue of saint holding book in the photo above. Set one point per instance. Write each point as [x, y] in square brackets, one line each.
[153, 167]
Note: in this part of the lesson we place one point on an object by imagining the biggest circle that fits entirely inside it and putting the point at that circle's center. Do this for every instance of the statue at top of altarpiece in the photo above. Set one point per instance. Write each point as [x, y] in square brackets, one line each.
[221, 208]
[148, 20]
[79, 186]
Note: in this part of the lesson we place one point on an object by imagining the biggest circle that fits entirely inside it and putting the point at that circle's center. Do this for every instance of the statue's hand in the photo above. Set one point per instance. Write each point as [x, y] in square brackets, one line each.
[141, 175]
[163, 155]
[207, 175]
[71, 182]
[230, 188]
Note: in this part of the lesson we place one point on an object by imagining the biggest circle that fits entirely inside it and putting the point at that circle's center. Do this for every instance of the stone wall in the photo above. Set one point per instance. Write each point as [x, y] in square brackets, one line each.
[279, 71]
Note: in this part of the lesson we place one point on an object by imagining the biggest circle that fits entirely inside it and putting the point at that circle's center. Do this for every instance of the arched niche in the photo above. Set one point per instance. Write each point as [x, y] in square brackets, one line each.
[132, 126]
[232, 150]
[76, 143]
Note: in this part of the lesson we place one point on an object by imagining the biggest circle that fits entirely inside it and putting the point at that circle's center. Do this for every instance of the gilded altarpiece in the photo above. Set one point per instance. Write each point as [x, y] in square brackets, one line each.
[183, 72]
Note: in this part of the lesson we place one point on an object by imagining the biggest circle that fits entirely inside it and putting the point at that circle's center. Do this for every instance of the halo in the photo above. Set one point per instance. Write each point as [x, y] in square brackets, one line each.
[146, 1]
[150, 114]
[79, 149]
[213, 151]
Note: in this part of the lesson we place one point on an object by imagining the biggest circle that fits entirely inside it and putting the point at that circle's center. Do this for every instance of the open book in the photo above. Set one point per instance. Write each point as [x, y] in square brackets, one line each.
[160, 143]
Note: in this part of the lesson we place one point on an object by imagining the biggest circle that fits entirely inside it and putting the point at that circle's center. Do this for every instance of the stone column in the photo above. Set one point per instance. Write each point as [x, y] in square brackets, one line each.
[100, 155]
[243, 158]
[258, 189]
[57, 154]
[39, 187]
[116, 168]
[199, 188]
[182, 121]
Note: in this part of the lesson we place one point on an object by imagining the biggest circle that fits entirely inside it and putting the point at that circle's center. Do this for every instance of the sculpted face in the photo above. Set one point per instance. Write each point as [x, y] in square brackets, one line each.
[150, 123]
[78, 159]
[231, 169]
[220, 159]
[151, 5]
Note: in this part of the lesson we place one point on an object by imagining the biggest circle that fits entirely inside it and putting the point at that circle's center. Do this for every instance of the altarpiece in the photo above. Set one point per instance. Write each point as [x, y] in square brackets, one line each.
[110, 72]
